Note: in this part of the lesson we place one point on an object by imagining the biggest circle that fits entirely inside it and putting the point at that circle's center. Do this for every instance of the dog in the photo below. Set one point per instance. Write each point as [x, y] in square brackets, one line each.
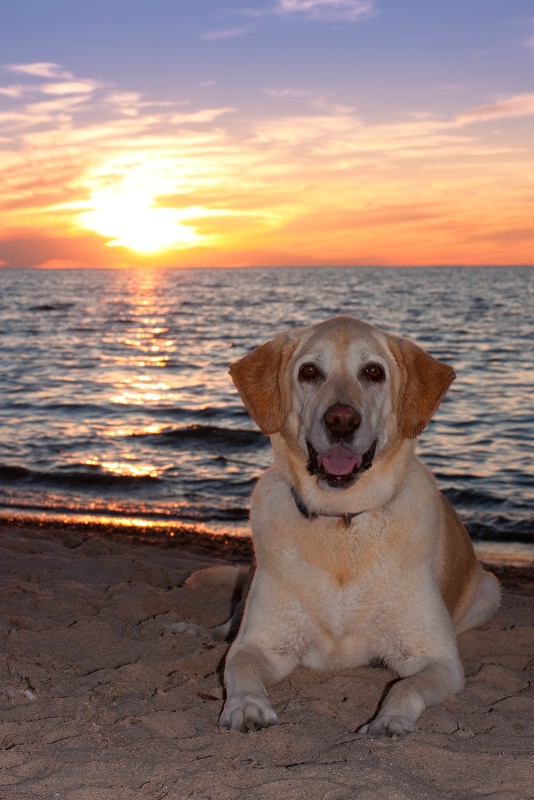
[359, 558]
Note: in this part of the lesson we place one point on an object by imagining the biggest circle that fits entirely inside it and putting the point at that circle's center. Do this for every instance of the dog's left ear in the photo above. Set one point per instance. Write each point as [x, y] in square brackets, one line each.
[258, 378]
[424, 384]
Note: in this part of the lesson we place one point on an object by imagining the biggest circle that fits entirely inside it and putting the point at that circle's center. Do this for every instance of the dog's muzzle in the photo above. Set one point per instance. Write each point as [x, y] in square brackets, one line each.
[339, 466]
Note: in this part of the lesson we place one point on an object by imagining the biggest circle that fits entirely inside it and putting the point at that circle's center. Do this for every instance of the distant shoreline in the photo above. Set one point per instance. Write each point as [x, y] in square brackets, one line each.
[163, 267]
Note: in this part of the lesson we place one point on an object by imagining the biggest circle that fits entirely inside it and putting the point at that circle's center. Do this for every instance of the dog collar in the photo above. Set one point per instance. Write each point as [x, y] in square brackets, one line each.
[311, 515]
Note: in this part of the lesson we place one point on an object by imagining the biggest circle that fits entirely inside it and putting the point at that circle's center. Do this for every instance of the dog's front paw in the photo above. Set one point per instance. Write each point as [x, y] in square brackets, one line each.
[389, 726]
[248, 712]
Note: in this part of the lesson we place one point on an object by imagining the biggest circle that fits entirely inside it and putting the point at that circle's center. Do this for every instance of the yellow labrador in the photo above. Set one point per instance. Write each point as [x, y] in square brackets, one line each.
[359, 556]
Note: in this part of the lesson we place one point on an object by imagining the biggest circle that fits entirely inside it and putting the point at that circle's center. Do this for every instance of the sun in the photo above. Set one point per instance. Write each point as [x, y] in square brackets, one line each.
[127, 204]
[132, 221]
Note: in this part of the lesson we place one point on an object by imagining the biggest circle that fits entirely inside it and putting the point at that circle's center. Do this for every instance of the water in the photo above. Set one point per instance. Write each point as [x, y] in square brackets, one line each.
[116, 400]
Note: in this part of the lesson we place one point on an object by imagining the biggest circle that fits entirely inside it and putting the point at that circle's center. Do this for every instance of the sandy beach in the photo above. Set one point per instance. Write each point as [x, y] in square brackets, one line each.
[101, 701]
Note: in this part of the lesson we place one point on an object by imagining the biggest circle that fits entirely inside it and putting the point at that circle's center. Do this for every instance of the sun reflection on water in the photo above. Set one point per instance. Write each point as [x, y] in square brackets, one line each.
[142, 430]
[128, 469]
[143, 343]
[151, 405]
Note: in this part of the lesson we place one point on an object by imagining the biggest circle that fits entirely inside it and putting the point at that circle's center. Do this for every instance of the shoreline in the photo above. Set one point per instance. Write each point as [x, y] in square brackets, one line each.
[512, 563]
[195, 538]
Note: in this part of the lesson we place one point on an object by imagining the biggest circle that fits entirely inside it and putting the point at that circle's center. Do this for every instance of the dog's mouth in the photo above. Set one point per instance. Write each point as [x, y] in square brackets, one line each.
[339, 466]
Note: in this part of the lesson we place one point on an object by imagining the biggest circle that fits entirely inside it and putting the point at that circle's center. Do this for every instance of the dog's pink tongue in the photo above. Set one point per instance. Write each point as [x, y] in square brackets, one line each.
[339, 460]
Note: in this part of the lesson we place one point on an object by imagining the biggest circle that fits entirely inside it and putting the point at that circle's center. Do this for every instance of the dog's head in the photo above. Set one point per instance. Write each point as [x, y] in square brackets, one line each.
[339, 392]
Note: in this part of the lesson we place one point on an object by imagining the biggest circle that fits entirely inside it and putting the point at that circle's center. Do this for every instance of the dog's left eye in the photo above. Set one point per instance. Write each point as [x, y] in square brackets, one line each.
[309, 372]
[373, 372]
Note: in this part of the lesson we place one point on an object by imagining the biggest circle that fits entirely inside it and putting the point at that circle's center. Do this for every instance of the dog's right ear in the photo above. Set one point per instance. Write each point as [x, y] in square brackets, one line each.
[258, 378]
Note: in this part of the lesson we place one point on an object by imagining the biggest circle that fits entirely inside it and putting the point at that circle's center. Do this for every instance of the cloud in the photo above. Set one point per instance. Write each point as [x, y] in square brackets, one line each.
[350, 10]
[519, 105]
[230, 33]
[60, 108]
[43, 69]
[202, 116]
[12, 91]
[280, 94]
[53, 95]
[70, 87]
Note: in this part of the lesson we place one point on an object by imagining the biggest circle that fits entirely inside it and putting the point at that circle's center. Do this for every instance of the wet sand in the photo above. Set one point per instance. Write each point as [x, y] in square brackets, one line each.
[100, 701]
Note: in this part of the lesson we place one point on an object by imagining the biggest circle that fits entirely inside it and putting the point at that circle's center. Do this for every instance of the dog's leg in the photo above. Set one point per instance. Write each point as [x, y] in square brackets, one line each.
[227, 630]
[220, 633]
[249, 670]
[484, 605]
[408, 698]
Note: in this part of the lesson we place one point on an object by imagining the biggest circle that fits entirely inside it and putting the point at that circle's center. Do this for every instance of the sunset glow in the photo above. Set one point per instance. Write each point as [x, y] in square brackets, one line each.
[123, 206]
[418, 153]
[129, 223]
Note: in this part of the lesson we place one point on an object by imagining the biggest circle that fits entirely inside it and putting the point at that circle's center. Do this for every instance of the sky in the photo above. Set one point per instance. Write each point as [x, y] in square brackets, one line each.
[266, 132]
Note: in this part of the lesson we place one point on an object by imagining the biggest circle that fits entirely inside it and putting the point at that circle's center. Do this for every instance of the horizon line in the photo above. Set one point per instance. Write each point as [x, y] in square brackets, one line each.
[44, 268]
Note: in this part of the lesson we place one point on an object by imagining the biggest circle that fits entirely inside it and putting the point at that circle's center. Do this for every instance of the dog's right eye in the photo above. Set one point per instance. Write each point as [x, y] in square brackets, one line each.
[309, 372]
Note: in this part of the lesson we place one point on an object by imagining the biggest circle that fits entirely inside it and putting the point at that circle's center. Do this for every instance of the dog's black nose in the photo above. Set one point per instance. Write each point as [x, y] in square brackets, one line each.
[342, 420]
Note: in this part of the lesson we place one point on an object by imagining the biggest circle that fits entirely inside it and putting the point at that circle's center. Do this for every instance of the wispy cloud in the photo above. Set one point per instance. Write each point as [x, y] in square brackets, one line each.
[519, 105]
[282, 94]
[202, 116]
[350, 10]
[310, 99]
[228, 33]
[70, 87]
[12, 91]
[42, 69]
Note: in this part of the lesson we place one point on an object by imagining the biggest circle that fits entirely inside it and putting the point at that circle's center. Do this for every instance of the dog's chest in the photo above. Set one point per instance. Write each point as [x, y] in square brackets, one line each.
[338, 555]
[336, 576]
[340, 634]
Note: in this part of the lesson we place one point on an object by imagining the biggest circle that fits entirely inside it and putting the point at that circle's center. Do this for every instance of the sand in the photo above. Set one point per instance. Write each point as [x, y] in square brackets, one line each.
[101, 701]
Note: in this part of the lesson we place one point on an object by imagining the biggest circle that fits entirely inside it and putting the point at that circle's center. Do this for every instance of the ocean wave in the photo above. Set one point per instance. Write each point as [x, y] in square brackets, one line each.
[52, 307]
[473, 498]
[85, 477]
[501, 528]
[207, 436]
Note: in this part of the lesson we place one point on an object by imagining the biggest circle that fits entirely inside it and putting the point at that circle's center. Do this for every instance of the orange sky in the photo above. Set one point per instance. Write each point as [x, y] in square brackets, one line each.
[95, 174]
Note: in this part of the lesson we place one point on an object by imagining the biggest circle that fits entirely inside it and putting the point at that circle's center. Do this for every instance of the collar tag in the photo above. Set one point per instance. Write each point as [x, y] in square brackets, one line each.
[311, 515]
